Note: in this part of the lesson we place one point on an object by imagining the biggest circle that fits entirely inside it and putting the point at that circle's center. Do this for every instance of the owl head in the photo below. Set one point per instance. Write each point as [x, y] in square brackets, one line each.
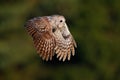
[58, 23]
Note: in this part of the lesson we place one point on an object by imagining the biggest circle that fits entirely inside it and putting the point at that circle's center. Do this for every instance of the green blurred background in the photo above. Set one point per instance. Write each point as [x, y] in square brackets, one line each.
[95, 25]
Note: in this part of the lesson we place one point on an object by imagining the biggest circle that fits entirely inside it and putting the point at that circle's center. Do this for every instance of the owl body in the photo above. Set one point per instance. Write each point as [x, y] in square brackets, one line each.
[51, 36]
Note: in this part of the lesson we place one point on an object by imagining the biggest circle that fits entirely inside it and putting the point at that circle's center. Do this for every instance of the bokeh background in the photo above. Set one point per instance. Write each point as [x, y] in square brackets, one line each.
[95, 25]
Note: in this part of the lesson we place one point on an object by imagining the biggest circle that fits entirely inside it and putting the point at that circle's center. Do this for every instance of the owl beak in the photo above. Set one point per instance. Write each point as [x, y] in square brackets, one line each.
[65, 25]
[65, 30]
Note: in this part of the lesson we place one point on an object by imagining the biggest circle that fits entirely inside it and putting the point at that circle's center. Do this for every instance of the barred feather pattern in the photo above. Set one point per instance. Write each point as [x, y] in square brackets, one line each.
[64, 48]
[43, 40]
[51, 36]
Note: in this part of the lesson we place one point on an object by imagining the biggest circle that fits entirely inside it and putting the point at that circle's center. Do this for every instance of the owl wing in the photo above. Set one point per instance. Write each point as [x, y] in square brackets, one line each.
[64, 46]
[41, 32]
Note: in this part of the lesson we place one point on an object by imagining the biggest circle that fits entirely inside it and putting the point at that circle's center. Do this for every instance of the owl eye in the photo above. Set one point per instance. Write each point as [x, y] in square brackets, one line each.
[61, 20]
[53, 30]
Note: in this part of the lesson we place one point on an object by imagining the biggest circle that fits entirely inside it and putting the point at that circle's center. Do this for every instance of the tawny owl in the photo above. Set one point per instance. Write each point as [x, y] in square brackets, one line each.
[51, 36]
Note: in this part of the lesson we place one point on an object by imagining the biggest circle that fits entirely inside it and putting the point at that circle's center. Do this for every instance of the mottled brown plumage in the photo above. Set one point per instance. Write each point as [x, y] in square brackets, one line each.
[51, 36]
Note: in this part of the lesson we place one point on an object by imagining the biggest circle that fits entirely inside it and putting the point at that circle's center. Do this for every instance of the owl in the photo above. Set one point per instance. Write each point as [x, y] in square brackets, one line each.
[51, 36]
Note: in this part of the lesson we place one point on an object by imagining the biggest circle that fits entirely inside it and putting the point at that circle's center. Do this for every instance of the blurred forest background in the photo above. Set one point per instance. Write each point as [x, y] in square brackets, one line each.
[95, 25]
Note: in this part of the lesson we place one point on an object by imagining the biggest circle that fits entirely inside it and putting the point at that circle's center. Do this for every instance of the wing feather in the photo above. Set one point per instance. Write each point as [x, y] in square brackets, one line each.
[43, 39]
[65, 47]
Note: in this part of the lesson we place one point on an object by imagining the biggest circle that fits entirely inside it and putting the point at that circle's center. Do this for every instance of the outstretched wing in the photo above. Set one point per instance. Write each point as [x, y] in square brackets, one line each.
[41, 32]
[64, 41]
[64, 46]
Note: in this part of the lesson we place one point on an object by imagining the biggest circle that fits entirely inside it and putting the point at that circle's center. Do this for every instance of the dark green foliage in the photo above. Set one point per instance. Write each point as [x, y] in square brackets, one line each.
[95, 24]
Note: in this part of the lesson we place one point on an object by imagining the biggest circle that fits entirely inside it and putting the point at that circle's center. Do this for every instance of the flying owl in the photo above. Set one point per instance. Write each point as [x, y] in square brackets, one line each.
[51, 36]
